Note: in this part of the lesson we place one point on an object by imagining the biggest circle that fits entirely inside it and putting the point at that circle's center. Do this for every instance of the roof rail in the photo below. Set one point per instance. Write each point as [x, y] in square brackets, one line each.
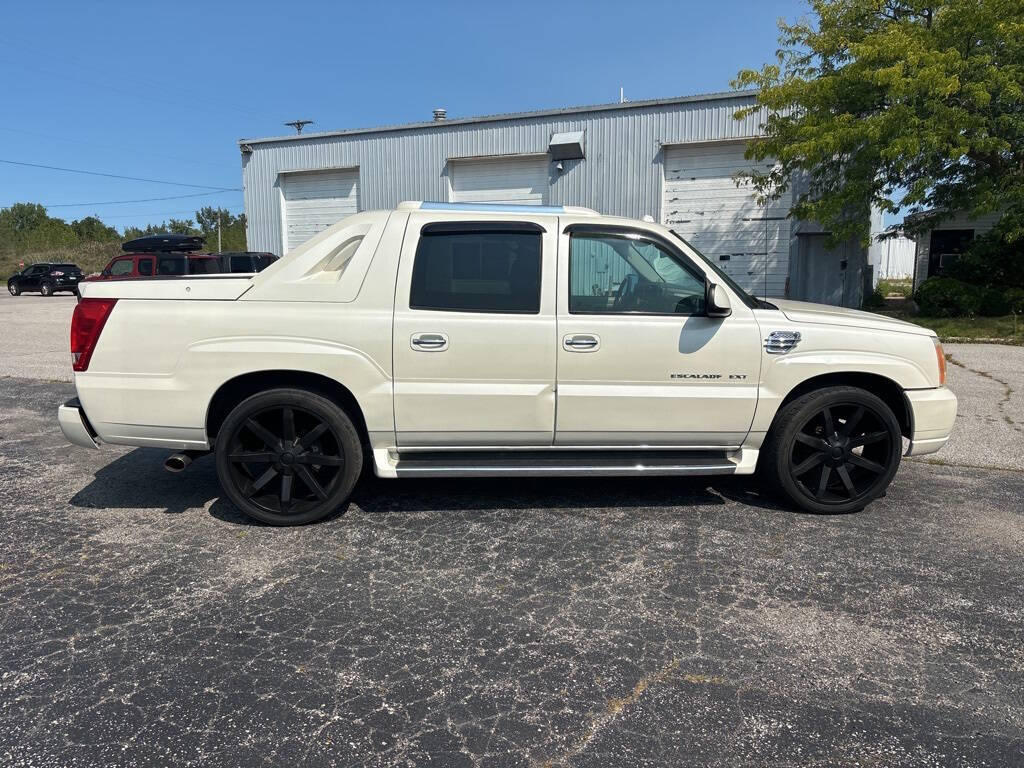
[427, 205]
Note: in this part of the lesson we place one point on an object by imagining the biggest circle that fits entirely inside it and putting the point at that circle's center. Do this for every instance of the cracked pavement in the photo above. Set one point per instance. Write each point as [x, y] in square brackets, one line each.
[598, 622]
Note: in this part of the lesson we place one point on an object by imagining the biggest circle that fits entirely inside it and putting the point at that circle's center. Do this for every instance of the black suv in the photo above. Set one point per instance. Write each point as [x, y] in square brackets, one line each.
[46, 278]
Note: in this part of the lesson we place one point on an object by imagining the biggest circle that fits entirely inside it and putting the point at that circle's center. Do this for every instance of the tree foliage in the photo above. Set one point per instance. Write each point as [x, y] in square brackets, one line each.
[908, 105]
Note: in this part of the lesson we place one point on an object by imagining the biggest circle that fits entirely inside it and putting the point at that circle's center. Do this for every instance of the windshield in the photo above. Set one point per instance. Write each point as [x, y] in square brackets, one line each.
[750, 301]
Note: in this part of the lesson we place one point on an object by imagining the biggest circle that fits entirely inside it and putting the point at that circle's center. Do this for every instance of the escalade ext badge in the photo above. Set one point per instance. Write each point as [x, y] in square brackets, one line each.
[781, 342]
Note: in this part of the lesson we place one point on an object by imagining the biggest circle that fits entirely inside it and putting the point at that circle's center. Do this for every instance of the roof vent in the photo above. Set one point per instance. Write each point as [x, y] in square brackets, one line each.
[440, 114]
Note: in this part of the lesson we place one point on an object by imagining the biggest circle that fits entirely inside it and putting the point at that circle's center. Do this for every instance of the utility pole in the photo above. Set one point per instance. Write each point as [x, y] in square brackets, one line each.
[218, 232]
[298, 125]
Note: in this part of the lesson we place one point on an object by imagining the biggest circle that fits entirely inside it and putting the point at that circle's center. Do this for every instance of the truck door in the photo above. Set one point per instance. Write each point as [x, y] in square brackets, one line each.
[639, 361]
[474, 332]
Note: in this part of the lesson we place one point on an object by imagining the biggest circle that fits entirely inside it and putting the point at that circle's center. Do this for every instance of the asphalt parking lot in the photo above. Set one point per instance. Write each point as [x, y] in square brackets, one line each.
[633, 622]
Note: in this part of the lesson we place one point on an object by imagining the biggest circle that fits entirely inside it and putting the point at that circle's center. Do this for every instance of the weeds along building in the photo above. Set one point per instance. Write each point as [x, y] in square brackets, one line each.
[672, 159]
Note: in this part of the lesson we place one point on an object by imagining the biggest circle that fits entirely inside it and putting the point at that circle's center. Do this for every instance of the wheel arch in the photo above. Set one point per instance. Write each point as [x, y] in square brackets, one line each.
[235, 390]
[887, 390]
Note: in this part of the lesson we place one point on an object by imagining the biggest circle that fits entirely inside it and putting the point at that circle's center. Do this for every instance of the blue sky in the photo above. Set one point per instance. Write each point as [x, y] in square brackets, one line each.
[164, 90]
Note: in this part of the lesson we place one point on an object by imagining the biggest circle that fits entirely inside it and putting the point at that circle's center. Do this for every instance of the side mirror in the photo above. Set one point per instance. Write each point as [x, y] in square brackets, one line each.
[105, 273]
[718, 304]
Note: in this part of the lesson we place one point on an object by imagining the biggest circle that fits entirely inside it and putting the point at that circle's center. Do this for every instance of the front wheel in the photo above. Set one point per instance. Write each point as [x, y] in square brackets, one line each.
[833, 450]
[46, 289]
[14, 288]
[288, 456]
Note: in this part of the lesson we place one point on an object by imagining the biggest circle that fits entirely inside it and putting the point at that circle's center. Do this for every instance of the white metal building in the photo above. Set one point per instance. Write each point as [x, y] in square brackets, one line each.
[672, 159]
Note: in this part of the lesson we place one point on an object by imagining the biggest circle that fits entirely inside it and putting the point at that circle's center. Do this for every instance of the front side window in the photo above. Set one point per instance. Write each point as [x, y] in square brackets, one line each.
[121, 267]
[489, 271]
[145, 266]
[618, 274]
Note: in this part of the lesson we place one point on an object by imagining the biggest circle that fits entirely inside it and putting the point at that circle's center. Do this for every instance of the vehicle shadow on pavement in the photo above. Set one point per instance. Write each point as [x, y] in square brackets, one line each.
[137, 480]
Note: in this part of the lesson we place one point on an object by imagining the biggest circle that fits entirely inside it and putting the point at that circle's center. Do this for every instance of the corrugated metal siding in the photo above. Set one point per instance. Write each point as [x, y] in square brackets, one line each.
[621, 174]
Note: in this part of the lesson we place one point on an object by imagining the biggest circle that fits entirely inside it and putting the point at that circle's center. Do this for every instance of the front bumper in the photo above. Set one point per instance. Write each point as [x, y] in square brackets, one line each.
[75, 426]
[932, 414]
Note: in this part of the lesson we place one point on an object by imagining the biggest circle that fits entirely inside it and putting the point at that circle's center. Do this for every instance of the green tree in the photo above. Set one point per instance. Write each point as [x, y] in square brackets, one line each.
[22, 218]
[913, 105]
[232, 228]
[91, 229]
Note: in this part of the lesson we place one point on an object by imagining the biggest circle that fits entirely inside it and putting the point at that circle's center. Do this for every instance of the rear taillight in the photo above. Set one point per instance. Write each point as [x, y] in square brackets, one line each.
[86, 324]
[942, 362]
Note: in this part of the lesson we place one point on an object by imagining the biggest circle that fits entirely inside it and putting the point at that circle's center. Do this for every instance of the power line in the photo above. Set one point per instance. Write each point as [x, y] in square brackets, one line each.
[118, 176]
[156, 215]
[115, 148]
[139, 200]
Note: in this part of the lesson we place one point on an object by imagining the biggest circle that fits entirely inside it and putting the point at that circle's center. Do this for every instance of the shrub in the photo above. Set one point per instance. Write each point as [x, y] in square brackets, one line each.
[946, 297]
[991, 260]
[1014, 300]
[874, 300]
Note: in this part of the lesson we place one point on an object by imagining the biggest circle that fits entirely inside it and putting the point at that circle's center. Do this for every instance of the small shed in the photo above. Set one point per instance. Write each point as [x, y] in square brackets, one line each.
[938, 247]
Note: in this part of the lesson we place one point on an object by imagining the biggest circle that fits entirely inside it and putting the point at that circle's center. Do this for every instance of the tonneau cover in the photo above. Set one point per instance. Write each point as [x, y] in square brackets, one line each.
[198, 288]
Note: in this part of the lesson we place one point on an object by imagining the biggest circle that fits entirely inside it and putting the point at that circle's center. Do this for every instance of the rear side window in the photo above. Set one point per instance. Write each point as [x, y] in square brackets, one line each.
[121, 267]
[145, 267]
[170, 264]
[489, 271]
[203, 267]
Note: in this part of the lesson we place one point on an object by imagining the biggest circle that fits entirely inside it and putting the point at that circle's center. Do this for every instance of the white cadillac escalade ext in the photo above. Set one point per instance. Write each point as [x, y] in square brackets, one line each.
[467, 340]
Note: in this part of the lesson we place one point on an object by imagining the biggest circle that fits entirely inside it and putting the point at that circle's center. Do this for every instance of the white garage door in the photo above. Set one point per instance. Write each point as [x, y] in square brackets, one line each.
[702, 203]
[520, 180]
[315, 200]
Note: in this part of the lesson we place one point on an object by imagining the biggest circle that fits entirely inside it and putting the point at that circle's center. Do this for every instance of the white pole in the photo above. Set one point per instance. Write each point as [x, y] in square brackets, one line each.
[218, 233]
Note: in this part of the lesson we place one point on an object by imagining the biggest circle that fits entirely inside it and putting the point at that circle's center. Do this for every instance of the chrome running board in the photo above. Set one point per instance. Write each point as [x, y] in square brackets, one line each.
[565, 463]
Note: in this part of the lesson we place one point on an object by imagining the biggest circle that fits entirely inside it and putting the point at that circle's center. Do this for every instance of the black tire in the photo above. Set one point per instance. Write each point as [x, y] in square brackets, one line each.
[46, 289]
[288, 475]
[14, 288]
[833, 450]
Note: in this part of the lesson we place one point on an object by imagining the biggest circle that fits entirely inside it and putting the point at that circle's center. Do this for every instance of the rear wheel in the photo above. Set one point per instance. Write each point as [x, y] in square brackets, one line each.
[288, 456]
[14, 288]
[46, 289]
[833, 450]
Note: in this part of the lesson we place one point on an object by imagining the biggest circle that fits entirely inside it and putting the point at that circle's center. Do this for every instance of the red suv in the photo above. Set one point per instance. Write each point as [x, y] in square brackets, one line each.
[155, 264]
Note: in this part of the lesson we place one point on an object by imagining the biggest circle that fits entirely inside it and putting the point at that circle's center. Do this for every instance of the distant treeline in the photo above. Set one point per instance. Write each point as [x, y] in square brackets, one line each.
[28, 233]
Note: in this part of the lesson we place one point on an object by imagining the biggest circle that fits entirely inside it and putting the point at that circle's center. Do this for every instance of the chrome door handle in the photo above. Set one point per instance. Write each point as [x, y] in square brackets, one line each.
[580, 342]
[429, 342]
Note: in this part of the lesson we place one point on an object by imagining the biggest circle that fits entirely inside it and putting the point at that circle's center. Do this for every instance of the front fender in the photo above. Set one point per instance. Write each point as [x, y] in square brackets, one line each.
[783, 373]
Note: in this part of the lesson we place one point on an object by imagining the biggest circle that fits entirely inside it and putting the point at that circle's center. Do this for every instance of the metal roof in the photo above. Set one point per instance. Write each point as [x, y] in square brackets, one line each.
[627, 105]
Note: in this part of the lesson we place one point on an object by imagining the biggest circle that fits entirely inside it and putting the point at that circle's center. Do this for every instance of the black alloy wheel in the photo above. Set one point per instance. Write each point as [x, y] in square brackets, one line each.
[288, 457]
[46, 289]
[14, 288]
[834, 450]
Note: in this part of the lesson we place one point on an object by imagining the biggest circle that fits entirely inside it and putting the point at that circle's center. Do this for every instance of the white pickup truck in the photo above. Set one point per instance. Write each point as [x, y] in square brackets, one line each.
[467, 340]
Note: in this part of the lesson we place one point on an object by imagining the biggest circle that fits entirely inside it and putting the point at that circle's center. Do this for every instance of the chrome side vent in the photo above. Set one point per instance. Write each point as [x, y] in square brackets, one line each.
[781, 342]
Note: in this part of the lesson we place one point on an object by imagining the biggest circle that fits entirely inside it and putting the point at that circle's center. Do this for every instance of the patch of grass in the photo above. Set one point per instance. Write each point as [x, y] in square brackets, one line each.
[1007, 328]
[896, 287]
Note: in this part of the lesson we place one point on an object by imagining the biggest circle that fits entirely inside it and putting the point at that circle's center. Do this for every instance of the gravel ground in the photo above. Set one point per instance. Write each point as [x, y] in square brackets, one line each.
[497, 622]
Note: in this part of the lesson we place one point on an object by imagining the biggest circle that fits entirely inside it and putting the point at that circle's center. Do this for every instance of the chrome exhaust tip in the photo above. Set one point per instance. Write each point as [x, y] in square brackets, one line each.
[178, 462]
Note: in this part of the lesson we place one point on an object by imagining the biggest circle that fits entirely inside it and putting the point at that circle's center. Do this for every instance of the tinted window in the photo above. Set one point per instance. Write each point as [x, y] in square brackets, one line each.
[203, 267]
[477, 272]
[145, 266]
[170, 264]
[121, 267]
[622, 274]
[241, 264]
